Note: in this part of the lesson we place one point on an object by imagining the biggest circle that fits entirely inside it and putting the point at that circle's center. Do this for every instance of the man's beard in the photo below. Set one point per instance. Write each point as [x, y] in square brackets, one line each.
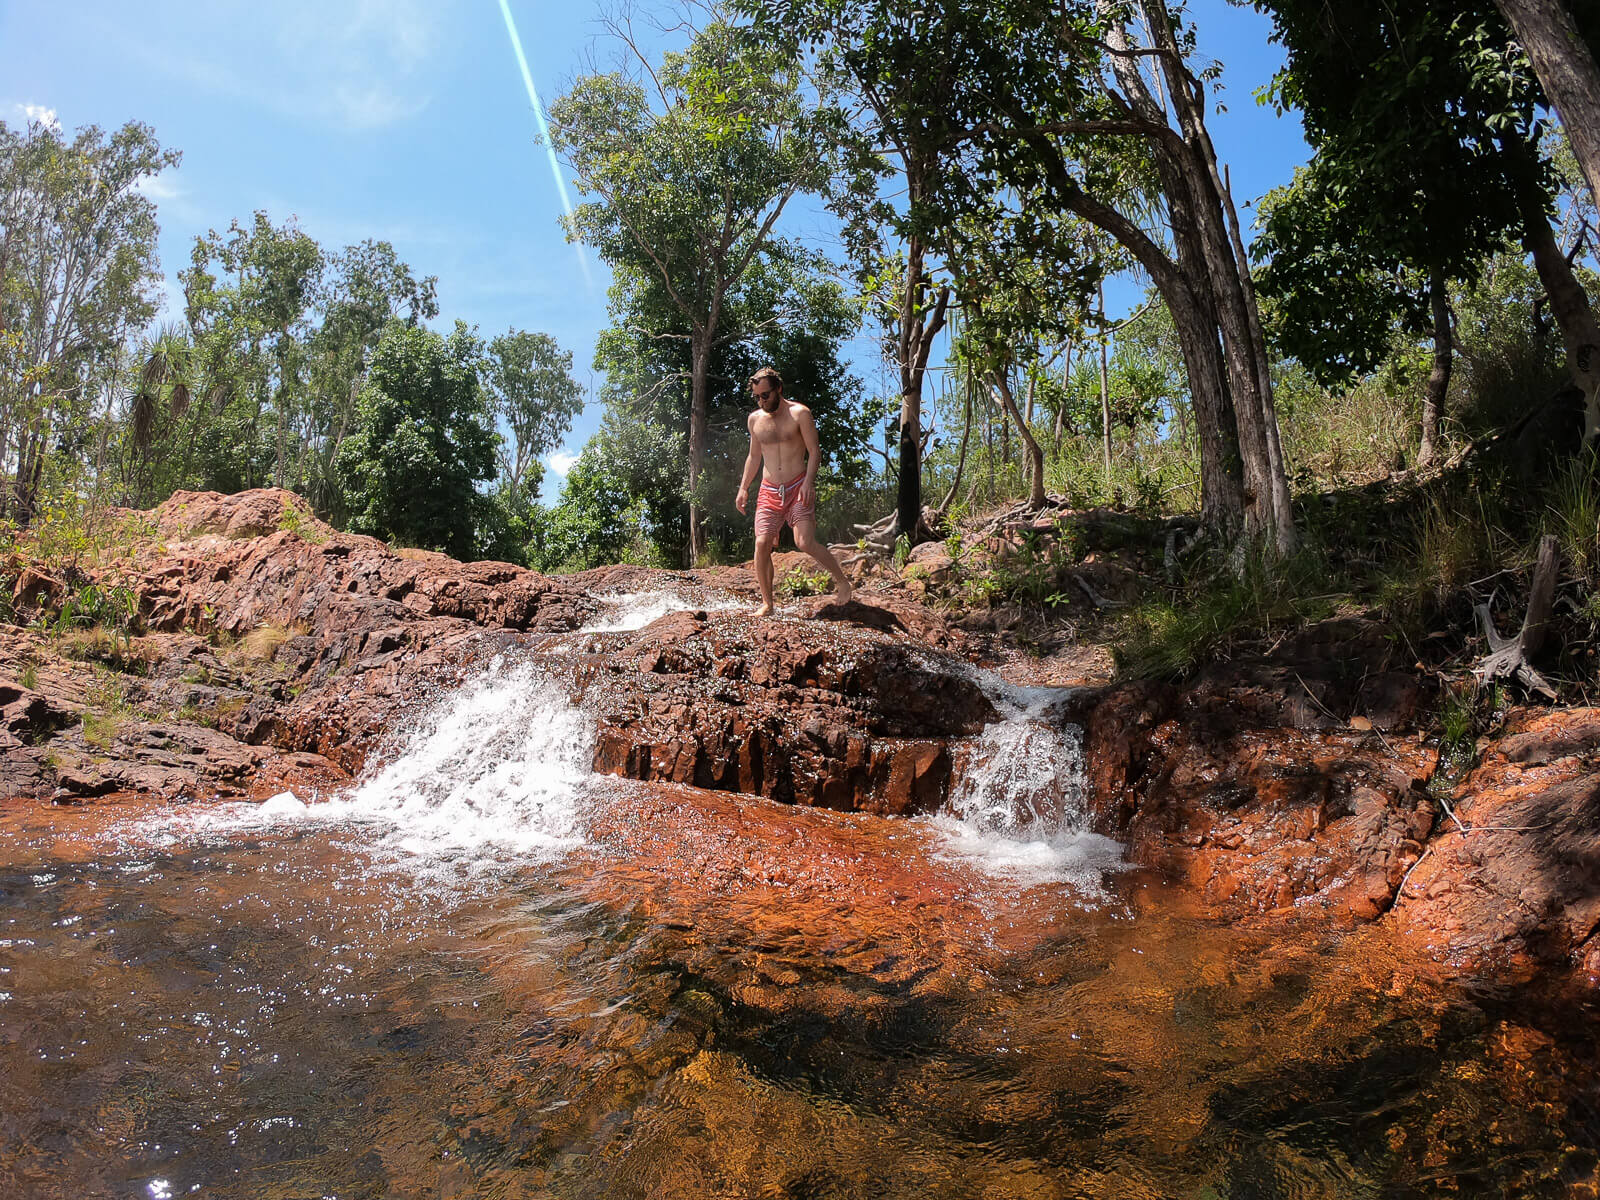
[769, 404]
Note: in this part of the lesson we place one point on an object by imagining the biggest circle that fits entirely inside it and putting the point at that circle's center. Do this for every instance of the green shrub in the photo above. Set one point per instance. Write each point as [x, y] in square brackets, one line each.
[1572, 503]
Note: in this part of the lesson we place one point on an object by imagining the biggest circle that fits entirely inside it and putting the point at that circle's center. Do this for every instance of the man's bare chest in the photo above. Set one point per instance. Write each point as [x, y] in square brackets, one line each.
[775, 430]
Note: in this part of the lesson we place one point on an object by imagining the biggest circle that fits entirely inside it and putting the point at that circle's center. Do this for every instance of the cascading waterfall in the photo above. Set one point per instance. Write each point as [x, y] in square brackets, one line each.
[498, 771]
[493, 770]
[1019, 808]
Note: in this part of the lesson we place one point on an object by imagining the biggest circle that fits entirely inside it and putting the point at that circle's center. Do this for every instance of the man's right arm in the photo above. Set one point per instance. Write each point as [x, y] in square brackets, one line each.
[752, 464]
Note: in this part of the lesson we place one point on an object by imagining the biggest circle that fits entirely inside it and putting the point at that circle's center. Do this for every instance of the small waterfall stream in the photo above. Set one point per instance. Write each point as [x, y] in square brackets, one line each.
[496, 772]
[623, 612]
[1019, 807]
[492, 772]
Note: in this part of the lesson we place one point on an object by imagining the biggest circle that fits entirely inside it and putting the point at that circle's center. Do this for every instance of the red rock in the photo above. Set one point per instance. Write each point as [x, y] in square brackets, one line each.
[844, 711]
[1516, 883]
[1249, 785]
[1218, 787]
[34, 590]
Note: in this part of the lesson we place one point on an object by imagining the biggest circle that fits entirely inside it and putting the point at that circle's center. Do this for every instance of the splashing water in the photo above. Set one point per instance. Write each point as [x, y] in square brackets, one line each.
[627, 611]
[492, 771]
[1019, 809]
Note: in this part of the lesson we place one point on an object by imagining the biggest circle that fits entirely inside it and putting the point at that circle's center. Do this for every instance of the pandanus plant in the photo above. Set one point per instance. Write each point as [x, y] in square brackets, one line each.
[168, 375]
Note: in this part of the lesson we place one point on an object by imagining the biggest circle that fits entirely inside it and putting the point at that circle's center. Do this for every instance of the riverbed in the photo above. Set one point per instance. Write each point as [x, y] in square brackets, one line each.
[484, 972]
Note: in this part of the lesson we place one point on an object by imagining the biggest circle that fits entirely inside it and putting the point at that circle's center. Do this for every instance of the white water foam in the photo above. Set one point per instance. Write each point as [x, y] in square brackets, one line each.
[624, 612]
[1019, 810]
[492, 771]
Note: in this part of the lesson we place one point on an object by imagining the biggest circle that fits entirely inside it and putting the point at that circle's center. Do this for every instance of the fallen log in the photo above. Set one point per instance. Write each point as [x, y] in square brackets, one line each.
[1100, 602]
[1508, 657]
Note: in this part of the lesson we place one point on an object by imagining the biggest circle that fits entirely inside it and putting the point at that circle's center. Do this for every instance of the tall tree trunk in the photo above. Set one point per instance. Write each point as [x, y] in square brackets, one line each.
[1105, 390]
[1185, 285]
[1267, 511]
[1002, 388]
[1439, 377]
[1567, 71]
[1282, 501]
[908, 491]
[1061, 409]
[1568, 305]
[699, 365]
[961, 462]
[1005, 438]
[917, 331]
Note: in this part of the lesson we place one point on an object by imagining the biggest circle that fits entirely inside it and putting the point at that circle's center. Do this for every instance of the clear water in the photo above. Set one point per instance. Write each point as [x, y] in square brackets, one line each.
[469, 978]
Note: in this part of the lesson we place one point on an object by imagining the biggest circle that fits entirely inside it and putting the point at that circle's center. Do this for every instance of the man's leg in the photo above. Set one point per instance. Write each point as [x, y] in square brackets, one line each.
[764, 545]
[806, 541]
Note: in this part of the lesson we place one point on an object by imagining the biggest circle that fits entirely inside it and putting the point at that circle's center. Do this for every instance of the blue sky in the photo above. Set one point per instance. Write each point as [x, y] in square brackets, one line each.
[408, 120]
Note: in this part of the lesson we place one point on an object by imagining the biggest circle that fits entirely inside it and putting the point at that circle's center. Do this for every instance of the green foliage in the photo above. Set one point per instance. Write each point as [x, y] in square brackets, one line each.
[1572, 499]
[294, 522]
[98, 622]
[798, 582]
[1170, 636]
[1454, 534]
[1423, 122]
[1510, 359]
[116, 608]
[530, 387]
[249, 297]
[1032, 576]
[1467, 711]
[601, 518]
[107, 711]
[422, 442]
[78, 277]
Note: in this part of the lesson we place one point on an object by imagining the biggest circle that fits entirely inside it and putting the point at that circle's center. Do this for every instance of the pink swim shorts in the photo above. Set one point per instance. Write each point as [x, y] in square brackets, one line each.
[778, 503]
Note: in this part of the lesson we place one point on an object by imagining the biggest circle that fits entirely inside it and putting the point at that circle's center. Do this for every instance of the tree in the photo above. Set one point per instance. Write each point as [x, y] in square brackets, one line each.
[1425, 120]
[1000, 334]
[901, 84]
[1058, 102]
[691, 177]
[78, 272]
[1563, 57]
[252, 319]
[620, 495]
[423, 440]
[530, 388]
[364, 287]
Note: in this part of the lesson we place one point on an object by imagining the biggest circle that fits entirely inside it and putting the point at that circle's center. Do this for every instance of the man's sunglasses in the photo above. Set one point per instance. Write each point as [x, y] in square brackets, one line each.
[761, 395]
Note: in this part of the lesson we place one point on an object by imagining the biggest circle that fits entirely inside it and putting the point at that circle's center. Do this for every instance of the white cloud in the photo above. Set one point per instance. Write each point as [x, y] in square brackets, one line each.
[352, 65]
[157, 188]
[561, 463]
[38, 112]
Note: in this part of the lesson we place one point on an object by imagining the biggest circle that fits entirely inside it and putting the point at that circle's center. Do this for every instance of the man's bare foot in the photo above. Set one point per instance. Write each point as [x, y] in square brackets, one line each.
[764, 611]
[842, 592]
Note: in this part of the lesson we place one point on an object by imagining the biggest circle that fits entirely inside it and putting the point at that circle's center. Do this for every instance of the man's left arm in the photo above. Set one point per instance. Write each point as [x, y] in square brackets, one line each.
[808, 435]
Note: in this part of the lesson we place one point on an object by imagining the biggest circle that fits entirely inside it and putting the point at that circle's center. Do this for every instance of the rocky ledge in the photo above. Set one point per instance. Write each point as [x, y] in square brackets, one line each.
[278, 652]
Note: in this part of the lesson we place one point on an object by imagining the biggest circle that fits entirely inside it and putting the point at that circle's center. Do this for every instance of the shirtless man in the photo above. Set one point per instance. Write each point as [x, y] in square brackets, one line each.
[783, 438]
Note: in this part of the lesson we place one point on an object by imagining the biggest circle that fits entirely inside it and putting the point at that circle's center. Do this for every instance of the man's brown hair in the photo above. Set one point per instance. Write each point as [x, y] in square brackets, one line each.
[768, 373]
